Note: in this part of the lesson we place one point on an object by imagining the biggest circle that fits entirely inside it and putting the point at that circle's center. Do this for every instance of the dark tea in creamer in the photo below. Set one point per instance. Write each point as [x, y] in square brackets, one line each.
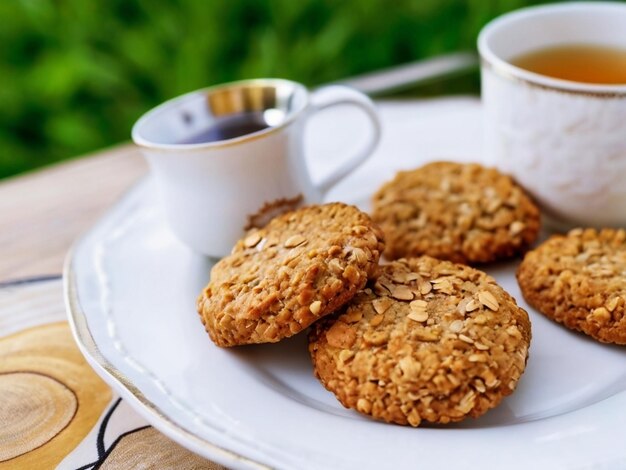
[229, 127]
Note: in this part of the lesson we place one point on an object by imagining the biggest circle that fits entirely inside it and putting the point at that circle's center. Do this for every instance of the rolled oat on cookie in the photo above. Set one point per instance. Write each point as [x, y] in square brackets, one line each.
[579, 280]
[428, 340]
[464, 213]
[281, 278]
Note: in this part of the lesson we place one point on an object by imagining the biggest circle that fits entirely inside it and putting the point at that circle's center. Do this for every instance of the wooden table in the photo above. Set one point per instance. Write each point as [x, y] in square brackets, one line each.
[42, 213]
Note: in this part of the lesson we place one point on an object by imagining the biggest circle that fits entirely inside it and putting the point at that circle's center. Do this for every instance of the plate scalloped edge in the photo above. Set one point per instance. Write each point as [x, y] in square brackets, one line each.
[88, 347]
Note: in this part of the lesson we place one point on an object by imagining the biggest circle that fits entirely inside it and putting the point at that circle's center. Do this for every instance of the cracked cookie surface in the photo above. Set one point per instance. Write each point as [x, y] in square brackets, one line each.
[465, 213]
[579, 280]
[428, 340]
[281, 278]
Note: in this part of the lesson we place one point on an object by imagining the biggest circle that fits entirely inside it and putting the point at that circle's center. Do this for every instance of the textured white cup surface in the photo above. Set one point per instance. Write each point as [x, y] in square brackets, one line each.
[565, 142]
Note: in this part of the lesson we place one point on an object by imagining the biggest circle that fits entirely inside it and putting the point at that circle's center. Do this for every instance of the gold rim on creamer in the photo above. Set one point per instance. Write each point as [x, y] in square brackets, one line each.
[504, 69]
[259, 84]
[87, 344]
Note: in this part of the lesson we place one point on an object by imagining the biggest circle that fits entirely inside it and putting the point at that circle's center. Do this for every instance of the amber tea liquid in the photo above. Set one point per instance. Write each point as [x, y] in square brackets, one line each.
[578, 63]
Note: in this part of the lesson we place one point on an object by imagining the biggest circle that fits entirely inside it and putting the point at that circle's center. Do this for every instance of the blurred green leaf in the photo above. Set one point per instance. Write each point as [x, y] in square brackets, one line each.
[76, 74]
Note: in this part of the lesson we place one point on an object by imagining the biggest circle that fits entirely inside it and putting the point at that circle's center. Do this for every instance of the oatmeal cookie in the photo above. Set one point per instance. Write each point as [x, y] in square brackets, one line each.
[460, 212]
[428, 340]
[579, 280]
[281, 278]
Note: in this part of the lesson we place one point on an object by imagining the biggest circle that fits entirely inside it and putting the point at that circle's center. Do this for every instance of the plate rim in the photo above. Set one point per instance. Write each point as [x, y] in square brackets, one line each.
[77, 320]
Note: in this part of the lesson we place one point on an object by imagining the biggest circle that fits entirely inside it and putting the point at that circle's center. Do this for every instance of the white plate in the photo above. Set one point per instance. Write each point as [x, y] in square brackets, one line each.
[131, 290]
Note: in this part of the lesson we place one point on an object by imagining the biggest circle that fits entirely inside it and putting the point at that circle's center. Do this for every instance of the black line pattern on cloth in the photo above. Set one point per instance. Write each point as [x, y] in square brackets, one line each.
[103, 426]
[119, 438]
[103, 453]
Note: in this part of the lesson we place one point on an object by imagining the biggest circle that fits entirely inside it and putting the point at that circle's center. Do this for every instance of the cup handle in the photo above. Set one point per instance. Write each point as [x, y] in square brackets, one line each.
[333, 95]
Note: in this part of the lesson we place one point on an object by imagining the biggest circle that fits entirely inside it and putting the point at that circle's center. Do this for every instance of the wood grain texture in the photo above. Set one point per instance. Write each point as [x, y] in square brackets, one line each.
[34, 408]
[42, 213]
[46, 354]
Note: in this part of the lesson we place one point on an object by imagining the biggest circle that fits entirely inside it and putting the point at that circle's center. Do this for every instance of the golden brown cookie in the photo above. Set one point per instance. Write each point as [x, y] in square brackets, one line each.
[460, 212]
[579, 280]
[428, 340]
[279, 279]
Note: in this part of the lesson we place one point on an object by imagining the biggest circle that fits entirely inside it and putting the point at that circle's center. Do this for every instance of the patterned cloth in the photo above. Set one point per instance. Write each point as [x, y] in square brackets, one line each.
[55, 412]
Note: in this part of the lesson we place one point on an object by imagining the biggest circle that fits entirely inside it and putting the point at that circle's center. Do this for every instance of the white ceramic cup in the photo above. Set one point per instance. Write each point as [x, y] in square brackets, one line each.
[213, 191]
[564, 141]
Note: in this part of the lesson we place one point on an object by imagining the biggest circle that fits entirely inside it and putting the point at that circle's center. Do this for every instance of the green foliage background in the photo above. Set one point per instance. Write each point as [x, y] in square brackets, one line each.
[76, 74]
